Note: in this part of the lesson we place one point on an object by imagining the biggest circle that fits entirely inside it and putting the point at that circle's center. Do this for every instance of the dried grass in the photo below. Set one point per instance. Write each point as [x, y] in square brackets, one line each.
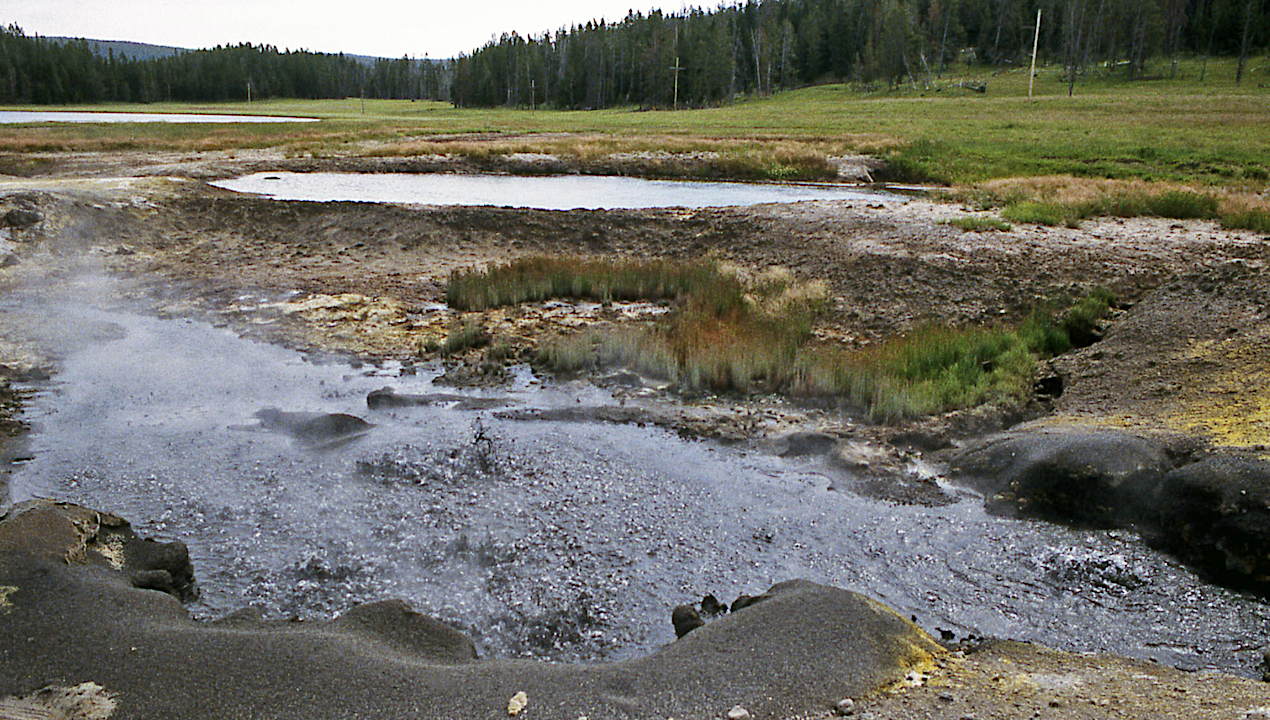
[1055, 200]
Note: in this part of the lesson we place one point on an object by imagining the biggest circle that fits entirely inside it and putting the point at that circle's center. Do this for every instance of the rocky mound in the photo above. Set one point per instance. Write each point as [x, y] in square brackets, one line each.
[1210, 508]
[89, 619]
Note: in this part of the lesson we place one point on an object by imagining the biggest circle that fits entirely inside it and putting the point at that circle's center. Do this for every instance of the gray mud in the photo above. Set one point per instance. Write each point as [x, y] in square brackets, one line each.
[538, 534]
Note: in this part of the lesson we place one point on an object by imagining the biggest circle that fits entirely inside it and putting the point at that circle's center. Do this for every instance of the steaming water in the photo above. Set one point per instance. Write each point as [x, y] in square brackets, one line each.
[556, 540]
[556, 192]
[16, 117]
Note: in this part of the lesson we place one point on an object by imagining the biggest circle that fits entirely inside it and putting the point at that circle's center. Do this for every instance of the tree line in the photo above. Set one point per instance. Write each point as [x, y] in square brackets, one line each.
[39, 71]
[692, 58]
[700, 58]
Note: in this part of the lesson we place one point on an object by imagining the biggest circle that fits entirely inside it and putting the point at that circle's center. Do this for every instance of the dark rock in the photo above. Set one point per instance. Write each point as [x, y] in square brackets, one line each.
[160, 580]
[312, 427]
[104, 539]
[1084, 336]
[921, 440]
[745, 601]
[710, 605]
[1215, 513]
[1051, 386]
[388, 398]
[802, 443]
[1103, 478]
[685, 619]
[163, 566]
[22, 218]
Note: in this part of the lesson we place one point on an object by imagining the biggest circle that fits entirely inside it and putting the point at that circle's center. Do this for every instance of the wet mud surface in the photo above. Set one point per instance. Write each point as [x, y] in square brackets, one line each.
[543, 529]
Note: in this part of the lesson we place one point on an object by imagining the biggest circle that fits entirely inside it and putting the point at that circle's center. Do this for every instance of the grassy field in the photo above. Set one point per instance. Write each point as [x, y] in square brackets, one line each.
[1174, 133]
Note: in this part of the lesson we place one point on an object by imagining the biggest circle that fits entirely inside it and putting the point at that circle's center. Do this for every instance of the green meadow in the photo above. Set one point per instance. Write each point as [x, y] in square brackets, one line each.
[1171, 129]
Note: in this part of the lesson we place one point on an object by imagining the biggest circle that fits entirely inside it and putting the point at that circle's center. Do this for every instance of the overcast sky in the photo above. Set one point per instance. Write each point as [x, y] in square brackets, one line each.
[389, 28]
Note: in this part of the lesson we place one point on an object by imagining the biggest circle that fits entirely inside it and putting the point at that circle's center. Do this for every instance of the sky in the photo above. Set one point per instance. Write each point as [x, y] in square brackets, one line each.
[386, 28]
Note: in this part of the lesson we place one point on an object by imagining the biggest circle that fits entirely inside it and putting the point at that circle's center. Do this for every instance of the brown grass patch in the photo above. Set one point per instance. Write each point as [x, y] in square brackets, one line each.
[1064, 199]
[1074, 191]
[766, 157]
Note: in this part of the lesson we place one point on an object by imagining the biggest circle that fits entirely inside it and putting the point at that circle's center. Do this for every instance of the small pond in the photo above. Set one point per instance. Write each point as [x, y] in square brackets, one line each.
[554, 192]
[18, 117]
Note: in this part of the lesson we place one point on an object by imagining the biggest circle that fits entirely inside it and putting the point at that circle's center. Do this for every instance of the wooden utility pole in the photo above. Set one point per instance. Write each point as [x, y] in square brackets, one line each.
[1031, 78]
[677, 68]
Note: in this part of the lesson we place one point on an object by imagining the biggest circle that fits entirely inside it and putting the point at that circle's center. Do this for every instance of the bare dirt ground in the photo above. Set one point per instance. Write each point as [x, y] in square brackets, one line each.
[1008, 680]
[369, 280]
[1189, 352]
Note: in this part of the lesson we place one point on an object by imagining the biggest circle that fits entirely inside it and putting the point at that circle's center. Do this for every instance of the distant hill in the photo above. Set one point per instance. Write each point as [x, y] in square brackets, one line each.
[144, 51]
[124, 48]
[40, 70]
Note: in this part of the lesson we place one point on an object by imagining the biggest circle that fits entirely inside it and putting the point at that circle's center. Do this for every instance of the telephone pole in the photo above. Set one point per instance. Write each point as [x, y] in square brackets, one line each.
[1032, 73]
[677, 68]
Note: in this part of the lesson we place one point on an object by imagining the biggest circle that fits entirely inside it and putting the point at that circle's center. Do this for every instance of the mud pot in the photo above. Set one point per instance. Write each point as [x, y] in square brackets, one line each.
[516, 515]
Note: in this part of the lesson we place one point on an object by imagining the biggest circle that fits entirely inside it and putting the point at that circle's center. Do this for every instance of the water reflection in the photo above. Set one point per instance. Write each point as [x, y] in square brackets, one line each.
[554, 192]
[16, 117]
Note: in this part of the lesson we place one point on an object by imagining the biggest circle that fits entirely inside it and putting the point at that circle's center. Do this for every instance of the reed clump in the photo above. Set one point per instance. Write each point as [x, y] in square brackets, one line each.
[541, 278]
[935, 369]
[733, 331]
[465, 336]
[978, 223]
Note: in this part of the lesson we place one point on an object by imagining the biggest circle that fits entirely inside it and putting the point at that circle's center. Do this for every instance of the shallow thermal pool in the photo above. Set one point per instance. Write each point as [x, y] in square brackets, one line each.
[558, 540]
[551, 192]
[17, 117]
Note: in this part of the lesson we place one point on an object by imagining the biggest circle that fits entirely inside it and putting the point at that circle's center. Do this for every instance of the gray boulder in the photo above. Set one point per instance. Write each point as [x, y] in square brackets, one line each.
[1215, 513]
[805, 442]
[312, 427]
[1212, 513]
[22, 218]
[387, 398]
[1103, 478]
